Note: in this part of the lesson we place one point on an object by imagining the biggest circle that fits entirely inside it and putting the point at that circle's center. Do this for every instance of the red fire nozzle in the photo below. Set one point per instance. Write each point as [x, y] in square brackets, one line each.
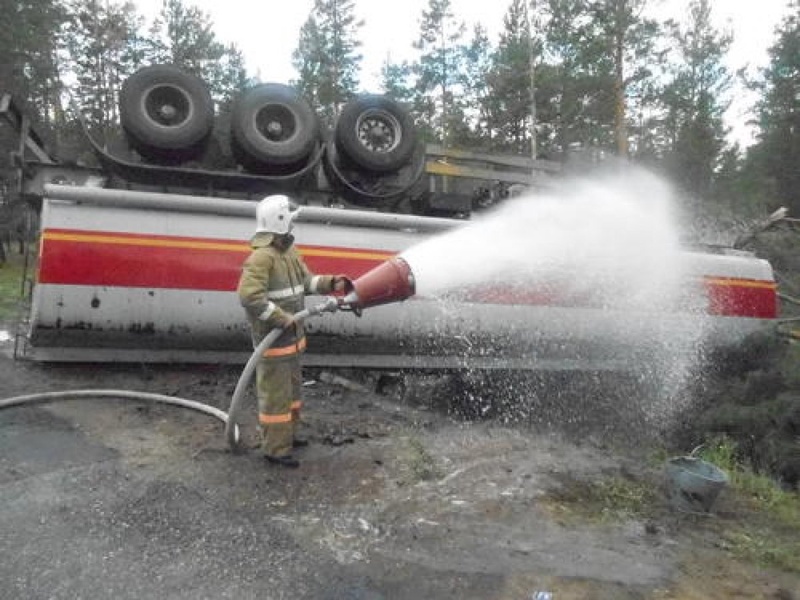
[391, 281]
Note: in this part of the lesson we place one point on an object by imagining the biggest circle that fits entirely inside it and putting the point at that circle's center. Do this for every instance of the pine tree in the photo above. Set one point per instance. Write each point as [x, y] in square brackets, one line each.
[101, 40]
[437, 86]
[626, 39]
[184, 36]
[580, 72]
[327, 57]
[509, 104]
[779, 113]
[308, 59]
[471, 125]
[395, 80]
[695, 103]
[30, 70]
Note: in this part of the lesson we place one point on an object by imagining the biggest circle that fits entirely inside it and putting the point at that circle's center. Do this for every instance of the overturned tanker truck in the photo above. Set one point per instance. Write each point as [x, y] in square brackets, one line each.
[139, 254]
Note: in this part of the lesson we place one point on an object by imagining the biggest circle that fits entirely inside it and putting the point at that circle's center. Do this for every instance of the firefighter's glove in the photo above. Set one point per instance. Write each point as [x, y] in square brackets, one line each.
[341, 283]
[275, 317]
[283, 320]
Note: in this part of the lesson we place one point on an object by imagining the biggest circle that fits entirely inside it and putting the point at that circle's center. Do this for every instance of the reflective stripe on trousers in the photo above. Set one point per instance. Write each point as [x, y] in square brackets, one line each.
[292, 415]
[278, 384]
[295, 348]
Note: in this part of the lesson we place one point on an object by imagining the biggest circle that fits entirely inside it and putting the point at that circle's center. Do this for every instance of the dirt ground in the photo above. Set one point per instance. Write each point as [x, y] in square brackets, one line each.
[394, 499]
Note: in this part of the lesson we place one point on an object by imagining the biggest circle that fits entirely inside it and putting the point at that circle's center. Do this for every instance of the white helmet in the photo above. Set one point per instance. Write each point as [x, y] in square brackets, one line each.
[274, 214]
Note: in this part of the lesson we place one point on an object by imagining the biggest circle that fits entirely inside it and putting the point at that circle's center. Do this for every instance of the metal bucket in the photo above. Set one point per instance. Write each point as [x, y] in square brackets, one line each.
[694, 484]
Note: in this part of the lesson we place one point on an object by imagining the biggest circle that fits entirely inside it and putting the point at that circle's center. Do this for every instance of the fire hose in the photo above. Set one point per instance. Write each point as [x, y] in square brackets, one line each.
[232, 433]
[45, 397]
[331, 304]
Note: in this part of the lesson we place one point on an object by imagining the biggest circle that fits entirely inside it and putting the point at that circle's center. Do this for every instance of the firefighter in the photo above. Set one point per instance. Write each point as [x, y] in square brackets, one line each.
[272, 286]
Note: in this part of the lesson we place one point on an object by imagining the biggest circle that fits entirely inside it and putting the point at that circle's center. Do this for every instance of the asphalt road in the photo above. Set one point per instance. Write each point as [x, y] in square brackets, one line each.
[129, 500]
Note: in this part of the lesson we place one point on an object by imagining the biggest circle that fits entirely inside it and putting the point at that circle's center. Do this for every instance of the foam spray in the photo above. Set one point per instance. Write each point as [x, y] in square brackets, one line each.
[613, 239]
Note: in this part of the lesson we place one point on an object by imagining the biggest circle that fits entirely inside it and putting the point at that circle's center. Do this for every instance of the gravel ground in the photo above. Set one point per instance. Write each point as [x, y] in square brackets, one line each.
[393, 500]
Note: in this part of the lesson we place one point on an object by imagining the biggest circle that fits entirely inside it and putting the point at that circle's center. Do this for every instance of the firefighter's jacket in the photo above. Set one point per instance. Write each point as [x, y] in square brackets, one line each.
[274, 282]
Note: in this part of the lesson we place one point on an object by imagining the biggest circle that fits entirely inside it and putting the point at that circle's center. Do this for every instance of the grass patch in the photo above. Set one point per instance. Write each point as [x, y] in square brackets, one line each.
[764, 546]
[11, 273]
[761, 493]
[420, 463]
[612, 499]
[770, 533]
[761, 525]
[618, 496]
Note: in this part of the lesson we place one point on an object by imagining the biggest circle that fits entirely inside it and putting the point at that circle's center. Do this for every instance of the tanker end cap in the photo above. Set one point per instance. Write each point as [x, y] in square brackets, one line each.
[390, 281]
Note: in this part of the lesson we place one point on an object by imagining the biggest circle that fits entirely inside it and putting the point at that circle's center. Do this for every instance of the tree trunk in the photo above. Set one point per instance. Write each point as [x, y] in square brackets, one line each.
[620, 126]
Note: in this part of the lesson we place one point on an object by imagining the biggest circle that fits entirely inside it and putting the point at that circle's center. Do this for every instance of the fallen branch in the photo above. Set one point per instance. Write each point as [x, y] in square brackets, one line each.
[776, 217]
[348, 384]
[789, 299]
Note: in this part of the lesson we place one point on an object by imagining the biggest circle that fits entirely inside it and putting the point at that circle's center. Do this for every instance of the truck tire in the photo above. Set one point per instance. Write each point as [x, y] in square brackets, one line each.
[166, 112]
[273, 128]
[375, 133]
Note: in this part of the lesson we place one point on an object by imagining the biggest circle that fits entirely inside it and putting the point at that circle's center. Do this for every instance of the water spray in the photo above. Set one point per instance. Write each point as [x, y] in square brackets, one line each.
[603, 238]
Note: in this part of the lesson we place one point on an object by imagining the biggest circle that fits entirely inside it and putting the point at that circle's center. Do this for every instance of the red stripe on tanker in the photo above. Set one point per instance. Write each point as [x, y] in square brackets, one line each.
[74, 257]
[98, 258]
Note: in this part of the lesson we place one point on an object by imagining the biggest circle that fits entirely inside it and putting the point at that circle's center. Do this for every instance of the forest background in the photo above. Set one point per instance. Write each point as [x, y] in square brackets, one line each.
[595, 77]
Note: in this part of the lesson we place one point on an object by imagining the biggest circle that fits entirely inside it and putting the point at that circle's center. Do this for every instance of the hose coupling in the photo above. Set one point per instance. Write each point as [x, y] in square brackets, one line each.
[330, 304]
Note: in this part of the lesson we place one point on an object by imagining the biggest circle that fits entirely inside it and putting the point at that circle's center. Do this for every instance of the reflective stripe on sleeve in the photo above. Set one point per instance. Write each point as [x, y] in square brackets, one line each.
[286, 292]
[299, 346]
[314, 285]
[271, 306]
[266, 419]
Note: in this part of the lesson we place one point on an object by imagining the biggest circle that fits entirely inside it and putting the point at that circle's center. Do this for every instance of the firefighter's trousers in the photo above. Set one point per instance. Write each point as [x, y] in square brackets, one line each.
[278, 386]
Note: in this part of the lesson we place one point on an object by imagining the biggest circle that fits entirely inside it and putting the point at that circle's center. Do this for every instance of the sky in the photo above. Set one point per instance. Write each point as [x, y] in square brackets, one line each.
[266, 31]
